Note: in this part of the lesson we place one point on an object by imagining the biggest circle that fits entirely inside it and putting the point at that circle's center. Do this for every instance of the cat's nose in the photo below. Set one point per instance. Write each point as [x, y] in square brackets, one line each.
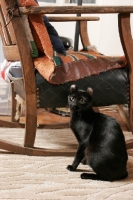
[75, 107]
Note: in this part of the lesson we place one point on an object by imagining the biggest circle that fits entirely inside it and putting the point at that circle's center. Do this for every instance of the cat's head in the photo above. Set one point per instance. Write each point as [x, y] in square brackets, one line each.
[78, 99]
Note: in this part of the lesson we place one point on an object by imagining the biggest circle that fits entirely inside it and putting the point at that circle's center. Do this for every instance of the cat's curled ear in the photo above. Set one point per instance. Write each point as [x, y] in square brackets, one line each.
[90, 91]
[73, 88]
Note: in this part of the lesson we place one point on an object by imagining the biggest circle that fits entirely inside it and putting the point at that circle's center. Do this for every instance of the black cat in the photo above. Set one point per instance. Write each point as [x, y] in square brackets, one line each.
[101, 140]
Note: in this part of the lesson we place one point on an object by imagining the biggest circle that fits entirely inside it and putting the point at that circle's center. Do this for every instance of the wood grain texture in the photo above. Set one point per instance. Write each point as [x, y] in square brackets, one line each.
[29, 78]
[71, 18]
[11, 52]
[10, 29]
[4, 31]
[76, 9]
[84, 34]
[127, 43]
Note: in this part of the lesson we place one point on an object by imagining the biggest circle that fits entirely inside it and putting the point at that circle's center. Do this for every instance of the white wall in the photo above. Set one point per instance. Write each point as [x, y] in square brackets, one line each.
[109, 41]
[104, 33]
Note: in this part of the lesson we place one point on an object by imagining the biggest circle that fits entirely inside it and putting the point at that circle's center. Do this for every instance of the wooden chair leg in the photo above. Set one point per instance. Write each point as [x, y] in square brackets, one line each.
[30, 121]
[15, 148]
[9, 121]
[129, 144]
[84, 34]
[124, 116]
[13, 112]
[127, 43]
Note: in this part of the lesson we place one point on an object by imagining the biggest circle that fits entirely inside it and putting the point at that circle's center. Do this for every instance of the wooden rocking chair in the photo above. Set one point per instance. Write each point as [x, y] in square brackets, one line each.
[16, 47]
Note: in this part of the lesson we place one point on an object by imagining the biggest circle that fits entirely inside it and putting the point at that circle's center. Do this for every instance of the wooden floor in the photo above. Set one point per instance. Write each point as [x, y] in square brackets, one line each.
[48, 117]
[114, 112]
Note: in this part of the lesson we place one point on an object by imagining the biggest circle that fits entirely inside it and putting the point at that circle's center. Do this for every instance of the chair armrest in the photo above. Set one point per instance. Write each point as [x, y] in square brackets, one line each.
[82, 25]
[72, 18]
[75, 9]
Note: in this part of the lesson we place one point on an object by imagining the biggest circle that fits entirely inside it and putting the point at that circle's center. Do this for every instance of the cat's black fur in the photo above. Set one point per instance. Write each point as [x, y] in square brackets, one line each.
[101, 140]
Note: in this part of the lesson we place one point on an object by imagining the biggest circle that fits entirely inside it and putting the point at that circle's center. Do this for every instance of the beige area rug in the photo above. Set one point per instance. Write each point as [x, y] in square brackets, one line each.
[27, 177]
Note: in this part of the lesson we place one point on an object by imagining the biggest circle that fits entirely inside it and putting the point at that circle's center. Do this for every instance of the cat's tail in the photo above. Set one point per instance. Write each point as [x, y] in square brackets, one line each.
[98, 177]
[92, 177]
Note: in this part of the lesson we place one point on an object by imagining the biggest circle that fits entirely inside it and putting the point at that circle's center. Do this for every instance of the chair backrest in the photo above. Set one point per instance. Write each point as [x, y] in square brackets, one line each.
[7, 31]
[16, 47]
[10, 49]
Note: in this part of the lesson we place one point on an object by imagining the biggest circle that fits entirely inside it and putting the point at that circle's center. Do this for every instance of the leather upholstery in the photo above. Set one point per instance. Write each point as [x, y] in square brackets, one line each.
[109, 88]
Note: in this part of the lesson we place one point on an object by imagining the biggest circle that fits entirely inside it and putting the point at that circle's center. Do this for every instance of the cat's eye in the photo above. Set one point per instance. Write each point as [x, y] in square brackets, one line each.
[82, 100]
[71, 98]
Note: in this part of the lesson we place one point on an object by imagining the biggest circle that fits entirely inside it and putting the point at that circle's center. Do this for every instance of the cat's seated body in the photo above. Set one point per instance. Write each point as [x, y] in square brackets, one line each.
[101, 140]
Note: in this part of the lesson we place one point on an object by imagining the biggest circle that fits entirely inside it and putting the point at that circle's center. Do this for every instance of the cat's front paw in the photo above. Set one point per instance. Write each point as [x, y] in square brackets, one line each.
[70, 168]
